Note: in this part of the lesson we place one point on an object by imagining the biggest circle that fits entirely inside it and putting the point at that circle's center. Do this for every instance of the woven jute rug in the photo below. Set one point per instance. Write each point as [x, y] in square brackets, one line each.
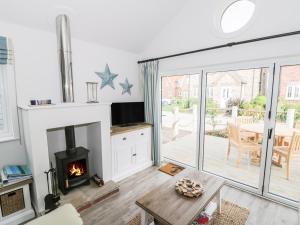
[232, 214]
[171, 169]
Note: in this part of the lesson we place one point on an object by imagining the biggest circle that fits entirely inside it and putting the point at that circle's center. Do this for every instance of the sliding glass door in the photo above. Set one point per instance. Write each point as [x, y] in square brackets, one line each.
[239, 122]
[233, 126]
[283, 170]
[179, 118]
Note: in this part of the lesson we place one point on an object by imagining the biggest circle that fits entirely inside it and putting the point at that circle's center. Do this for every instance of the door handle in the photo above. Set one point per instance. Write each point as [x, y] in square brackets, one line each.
[270, 131]
[124, 138]
[134, 154]
[142, 134]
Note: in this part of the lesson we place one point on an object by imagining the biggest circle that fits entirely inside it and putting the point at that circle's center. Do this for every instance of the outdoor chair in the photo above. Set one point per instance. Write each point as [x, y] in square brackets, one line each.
[244, 119]
[243, 146]
[287, 151]
[246, 135]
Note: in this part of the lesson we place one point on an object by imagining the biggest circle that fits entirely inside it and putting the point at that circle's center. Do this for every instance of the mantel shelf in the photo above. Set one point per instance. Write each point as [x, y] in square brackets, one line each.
[61, 105]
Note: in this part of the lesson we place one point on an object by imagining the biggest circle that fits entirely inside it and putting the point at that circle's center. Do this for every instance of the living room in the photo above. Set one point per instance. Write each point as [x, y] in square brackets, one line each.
[149, 112]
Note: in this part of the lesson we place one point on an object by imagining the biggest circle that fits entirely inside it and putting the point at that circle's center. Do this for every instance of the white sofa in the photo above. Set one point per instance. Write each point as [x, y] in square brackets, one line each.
[63, 215]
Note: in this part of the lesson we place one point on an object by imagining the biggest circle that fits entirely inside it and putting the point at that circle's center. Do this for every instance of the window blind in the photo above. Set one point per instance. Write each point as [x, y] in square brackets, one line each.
[6, 51]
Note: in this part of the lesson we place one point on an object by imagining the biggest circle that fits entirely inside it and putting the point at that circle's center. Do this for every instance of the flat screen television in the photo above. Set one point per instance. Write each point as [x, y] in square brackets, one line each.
[127, 113]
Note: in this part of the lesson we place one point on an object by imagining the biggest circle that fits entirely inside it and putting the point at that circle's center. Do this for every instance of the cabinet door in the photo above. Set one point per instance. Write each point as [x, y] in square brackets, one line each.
[142, 147]
[124, 158]
[141, 152]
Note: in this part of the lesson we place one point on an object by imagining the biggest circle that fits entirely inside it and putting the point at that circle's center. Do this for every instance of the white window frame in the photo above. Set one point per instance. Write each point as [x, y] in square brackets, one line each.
[10, 114]
[291, 88]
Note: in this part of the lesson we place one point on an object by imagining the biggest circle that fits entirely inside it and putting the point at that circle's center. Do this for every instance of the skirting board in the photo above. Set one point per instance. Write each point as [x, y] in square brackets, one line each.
[133, 171]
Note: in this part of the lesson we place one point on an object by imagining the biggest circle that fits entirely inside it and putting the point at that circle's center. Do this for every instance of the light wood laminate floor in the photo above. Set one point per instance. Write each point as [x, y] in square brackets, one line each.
[120, 208]
[215, 160]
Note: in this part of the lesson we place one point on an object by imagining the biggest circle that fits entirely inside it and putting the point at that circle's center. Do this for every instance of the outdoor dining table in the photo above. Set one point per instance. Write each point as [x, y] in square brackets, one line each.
[282, 131]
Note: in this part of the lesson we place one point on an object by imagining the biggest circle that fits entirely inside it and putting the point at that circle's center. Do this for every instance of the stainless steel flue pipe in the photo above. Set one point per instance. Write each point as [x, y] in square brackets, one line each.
[65, 57]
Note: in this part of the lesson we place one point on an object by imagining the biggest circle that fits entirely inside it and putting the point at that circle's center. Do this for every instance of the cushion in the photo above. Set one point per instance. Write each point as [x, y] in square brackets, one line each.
[63, 215]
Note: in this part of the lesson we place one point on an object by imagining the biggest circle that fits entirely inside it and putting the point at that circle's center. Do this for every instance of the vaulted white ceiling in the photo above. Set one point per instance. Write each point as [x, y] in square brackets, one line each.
[125, 24]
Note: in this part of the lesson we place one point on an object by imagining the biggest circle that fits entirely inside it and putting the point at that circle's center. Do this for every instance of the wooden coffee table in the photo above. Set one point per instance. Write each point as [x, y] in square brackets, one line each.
[169, 208]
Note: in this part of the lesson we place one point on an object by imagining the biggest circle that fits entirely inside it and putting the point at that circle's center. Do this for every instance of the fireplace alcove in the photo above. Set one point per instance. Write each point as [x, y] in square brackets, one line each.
[38, 121]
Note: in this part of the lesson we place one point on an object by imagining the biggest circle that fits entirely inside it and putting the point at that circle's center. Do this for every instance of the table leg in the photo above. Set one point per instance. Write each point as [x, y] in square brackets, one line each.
[219, 201]
[256, 137]
[146, 218]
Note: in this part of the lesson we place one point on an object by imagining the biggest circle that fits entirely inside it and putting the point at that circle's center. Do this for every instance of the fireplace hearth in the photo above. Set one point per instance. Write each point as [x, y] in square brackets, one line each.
[72, 169]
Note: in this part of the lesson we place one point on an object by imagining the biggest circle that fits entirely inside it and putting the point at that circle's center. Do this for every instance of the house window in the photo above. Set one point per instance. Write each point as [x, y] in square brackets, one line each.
[225, 93]
[292, 92]
[185, 94]
[8, 105]
[296, 94]
[210, 93]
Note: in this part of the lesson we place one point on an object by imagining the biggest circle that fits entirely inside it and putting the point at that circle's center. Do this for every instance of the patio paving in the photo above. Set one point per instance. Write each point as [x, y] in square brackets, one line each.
[183, 149]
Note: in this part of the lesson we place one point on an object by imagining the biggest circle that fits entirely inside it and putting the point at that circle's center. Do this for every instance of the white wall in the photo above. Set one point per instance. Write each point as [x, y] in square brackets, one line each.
[195, 27]
[37, 73]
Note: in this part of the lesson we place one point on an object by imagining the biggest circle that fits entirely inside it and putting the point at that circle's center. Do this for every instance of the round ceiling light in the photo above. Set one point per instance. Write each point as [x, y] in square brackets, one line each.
[237, 15]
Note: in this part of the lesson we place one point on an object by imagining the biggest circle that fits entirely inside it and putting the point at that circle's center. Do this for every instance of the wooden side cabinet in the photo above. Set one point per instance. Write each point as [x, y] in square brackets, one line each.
[131, 151]
[15, 203]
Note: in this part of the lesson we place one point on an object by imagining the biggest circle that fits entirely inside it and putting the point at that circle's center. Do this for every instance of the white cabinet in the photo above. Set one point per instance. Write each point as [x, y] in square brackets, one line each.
[25, 213]
[131, 152]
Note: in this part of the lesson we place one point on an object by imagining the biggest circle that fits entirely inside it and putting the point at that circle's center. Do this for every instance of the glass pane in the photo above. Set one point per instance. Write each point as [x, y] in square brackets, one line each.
[179, 118]
[285, 172]
[234, 123]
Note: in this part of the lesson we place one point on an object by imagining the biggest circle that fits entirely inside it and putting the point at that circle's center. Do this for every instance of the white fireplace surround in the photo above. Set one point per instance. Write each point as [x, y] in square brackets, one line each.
[37, 120]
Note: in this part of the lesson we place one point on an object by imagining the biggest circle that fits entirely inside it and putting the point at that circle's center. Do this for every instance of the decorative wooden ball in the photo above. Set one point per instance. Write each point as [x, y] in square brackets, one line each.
[189, 188]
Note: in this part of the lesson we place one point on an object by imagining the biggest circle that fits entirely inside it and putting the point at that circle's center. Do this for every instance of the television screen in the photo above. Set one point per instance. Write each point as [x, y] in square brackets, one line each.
[127, 113]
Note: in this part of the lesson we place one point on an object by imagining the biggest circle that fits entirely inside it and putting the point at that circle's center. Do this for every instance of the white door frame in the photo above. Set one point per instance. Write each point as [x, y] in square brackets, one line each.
[268, 169]
[274, 65]
[182, 73]
[230, 67]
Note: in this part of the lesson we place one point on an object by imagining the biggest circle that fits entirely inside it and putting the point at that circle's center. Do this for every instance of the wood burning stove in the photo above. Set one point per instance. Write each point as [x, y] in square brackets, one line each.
[72, 165]
[72, 169]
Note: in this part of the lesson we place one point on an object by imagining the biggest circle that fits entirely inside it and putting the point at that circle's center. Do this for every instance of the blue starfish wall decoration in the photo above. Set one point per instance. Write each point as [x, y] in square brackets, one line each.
[107, 77]
[126, 87]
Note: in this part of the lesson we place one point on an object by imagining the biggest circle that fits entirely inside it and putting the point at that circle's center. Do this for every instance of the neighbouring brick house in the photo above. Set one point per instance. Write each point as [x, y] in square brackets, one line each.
[290, 84]
[221, 86]
[181, 86]
[239, 84]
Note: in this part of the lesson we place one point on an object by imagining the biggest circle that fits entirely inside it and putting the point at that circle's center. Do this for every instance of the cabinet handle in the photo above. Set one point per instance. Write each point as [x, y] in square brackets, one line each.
[124, 138]
[134, 154]
[142, 134]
